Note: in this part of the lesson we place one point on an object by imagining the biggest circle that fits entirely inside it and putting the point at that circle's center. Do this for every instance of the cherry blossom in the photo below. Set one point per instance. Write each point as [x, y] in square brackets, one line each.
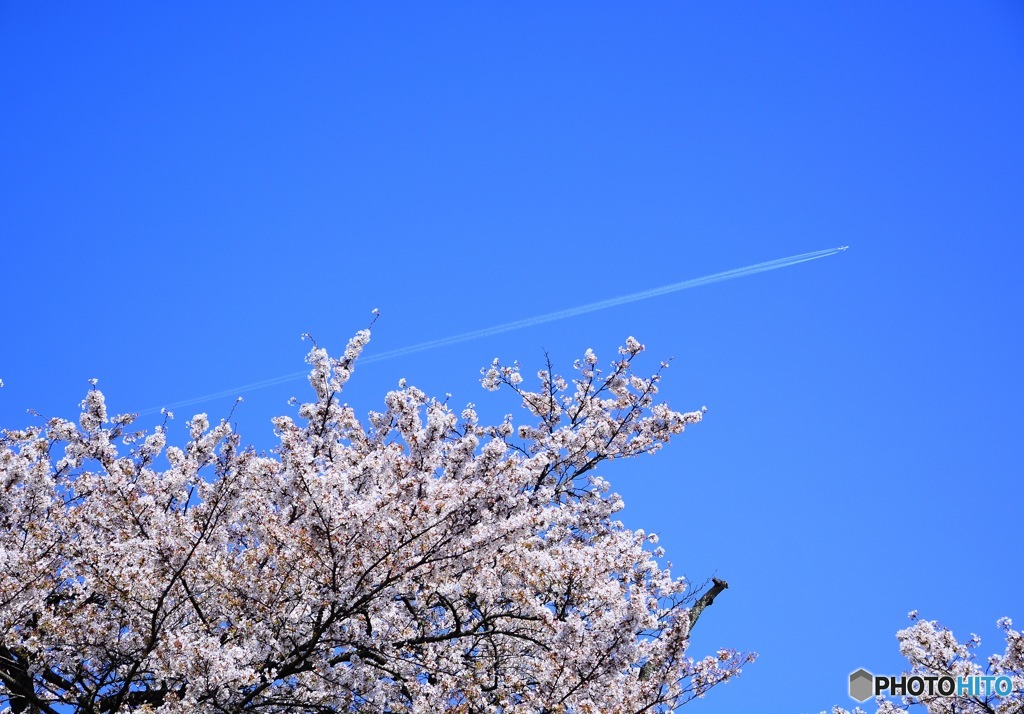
[933, 651]
[415, 561]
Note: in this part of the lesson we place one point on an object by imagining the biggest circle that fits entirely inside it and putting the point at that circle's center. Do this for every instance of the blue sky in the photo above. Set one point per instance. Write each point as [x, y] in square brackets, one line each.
[185, 189]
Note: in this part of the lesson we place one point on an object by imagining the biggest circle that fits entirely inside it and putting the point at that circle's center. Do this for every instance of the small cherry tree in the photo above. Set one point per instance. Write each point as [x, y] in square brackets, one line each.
[420, 562]
[933, 651]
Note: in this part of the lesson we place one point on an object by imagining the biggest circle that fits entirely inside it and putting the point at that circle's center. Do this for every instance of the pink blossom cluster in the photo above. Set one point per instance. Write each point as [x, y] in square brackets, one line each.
[933, 651]
[418, 562]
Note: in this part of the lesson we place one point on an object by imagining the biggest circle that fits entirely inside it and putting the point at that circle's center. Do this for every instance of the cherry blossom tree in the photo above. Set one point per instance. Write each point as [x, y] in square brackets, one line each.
[933, 651]
[418, 562]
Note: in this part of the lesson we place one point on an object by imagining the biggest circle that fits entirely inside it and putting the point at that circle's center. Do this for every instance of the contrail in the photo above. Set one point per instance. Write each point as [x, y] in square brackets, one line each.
[529, 321]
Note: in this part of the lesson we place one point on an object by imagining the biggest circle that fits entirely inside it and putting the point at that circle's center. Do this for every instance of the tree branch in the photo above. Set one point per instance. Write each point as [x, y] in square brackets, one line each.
[706, 599]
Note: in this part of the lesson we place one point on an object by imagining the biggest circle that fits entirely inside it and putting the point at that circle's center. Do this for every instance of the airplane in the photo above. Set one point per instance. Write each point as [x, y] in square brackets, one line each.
[842, 247]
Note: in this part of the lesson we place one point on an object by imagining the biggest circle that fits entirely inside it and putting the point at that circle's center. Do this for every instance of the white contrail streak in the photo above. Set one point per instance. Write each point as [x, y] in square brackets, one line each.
[530, 321]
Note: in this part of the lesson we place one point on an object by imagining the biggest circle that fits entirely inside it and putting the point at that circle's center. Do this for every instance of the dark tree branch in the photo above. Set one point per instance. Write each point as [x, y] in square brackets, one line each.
[706, 599]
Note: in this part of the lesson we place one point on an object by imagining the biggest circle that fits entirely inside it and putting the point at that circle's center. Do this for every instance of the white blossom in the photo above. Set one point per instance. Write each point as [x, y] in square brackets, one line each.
[932, 650]
[417, 562]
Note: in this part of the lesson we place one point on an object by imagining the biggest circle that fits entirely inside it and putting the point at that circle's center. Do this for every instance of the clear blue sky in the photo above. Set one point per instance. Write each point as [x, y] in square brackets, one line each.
[185, 189]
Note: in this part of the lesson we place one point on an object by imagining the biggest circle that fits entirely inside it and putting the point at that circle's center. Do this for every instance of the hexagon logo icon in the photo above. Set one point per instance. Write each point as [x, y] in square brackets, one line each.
[861, 684]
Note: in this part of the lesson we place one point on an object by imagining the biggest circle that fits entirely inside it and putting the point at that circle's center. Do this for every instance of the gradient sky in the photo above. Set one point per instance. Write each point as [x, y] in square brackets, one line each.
[185, 189]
